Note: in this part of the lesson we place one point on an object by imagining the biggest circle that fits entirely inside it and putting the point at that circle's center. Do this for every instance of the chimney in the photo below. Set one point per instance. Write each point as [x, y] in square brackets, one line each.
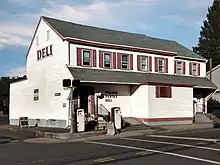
[210, 68]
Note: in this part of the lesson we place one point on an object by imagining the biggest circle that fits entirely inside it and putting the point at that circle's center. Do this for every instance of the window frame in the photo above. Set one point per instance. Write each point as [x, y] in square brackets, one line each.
[47, 35]
[146, 63]
[182, 63]
[196, 69]
[37, 40]
[164, 63]
[127, 63]
[110, 60]
[167, 90]
[36, 94]
[90, 57]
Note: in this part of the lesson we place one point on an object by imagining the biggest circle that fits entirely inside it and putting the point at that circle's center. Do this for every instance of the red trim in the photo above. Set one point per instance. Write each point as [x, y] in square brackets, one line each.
[118, 60]
[94, 58]
[92, 103]
[101, 59]
[175, 66]
[156, 64]
[79, 56]
[190, 68]
[169, 84]
[103, 45]
[131, 61]
[114, 60]
[54, 30]
[138, 62]
[165, 119]
[166, 65]
[150, 63]
[184, 67]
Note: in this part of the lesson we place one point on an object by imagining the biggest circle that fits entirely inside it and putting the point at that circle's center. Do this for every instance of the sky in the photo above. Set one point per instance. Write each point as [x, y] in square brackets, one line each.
[178, 20]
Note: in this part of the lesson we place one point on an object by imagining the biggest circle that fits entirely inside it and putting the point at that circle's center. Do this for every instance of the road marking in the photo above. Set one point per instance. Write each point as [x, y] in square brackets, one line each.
[177, 144]
[102, 160]
[155, 151]
[183, 138]
[217, 142]
[144, 153]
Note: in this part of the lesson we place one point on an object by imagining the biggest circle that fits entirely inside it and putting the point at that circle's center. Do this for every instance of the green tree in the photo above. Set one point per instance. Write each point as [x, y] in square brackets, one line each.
[209, 41]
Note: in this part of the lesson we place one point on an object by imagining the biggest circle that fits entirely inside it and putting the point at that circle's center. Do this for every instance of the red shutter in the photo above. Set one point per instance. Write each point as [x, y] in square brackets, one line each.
[94, 58]
[150, 63]
[131, 62]
[190, 68]
[114, 60]
[92, 102]
[157, 91]
[101, 59]
[175, 66]
[184, 67]
[166, 65]
[198, 69]
[156, 64]
[118, 60]
[169, 92]
[79, 56]
[138, 62]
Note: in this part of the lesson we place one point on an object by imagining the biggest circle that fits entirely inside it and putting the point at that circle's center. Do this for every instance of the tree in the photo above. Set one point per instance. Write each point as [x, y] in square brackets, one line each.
[209, 41]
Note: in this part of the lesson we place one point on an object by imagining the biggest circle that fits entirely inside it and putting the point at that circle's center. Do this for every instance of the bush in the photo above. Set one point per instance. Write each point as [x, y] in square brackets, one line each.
[211, 104]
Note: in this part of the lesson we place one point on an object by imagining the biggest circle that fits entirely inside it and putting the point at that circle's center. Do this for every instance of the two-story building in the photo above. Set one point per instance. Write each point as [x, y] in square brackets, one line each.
[152, 80]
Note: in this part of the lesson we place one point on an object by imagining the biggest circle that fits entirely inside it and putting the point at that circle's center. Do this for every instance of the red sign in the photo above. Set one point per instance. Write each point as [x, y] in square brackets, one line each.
[47, 51]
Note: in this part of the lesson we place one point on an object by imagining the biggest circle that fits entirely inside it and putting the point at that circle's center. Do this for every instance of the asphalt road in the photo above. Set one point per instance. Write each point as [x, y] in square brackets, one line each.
[198, 148]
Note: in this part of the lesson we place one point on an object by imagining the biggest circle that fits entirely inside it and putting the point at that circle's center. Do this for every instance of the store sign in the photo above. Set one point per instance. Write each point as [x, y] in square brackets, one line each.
[109, 95]
[45, 52]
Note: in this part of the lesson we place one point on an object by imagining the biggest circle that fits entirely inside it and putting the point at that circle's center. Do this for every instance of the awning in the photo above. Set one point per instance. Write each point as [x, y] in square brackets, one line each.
[128, 77]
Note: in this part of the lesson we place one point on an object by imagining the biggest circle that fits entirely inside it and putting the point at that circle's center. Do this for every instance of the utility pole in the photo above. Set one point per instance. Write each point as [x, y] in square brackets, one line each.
[71, 110]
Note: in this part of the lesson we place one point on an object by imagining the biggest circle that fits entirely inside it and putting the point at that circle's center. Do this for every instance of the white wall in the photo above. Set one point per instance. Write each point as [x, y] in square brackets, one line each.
[73, 59]
[180, 105]
[46, 75]
[122, 100]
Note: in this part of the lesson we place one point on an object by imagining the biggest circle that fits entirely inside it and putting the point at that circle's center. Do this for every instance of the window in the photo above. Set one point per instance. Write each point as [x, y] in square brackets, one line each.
[86, 57]
[194, 69]
[163, 91]
[124, 61]
[144, 63]
[36, 94]
[107, 60]
[161, 65]
[37, 40]
[47, 35]
[179, 67]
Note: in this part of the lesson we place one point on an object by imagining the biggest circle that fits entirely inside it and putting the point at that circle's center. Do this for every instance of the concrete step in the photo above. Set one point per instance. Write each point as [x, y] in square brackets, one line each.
[202, 118]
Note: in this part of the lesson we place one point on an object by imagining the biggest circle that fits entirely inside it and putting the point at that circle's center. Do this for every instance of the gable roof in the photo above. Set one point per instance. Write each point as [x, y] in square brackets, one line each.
[123, 77]
[102, 35]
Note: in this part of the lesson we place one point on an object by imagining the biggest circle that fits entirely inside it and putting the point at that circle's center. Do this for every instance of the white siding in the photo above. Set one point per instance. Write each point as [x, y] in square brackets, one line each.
[180, 105]
[73, 59]
[46, 75]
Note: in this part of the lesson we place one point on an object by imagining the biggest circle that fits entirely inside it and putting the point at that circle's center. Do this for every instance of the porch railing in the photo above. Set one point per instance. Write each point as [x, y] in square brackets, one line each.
[103, 112]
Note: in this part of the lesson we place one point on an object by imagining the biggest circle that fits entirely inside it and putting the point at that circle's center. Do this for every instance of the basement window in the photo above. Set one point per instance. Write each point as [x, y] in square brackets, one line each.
[163, 92]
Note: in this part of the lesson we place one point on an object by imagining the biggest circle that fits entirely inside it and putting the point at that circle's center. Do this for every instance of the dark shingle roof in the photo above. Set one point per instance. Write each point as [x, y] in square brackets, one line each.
[90, 33]
[98, 75]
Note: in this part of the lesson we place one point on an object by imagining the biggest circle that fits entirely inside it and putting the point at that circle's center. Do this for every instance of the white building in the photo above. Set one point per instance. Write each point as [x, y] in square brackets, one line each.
[151, 80]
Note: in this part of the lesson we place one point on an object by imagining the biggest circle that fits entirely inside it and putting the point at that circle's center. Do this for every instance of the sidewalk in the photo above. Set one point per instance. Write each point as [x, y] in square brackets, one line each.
[63, 135]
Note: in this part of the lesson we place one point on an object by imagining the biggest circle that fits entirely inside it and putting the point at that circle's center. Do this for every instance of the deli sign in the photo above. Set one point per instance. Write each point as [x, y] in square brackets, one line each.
[45, 52]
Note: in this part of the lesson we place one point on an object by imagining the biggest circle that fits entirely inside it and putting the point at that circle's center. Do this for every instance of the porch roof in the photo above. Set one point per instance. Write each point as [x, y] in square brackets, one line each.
[128, 77]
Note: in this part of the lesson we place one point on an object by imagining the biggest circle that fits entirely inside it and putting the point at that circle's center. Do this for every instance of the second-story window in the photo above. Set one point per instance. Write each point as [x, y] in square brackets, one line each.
[179, 67]
[161, 65]
[124, 64]
[107, 60]
[47, 35]
[144, 63]
[86, 57]
[194, 69]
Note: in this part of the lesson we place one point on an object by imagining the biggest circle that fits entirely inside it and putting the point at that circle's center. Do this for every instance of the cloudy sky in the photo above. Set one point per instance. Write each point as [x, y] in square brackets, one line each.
[178, 20]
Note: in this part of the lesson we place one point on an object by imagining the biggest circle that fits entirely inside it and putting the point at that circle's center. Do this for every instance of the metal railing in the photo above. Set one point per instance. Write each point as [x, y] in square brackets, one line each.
[103, 112]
